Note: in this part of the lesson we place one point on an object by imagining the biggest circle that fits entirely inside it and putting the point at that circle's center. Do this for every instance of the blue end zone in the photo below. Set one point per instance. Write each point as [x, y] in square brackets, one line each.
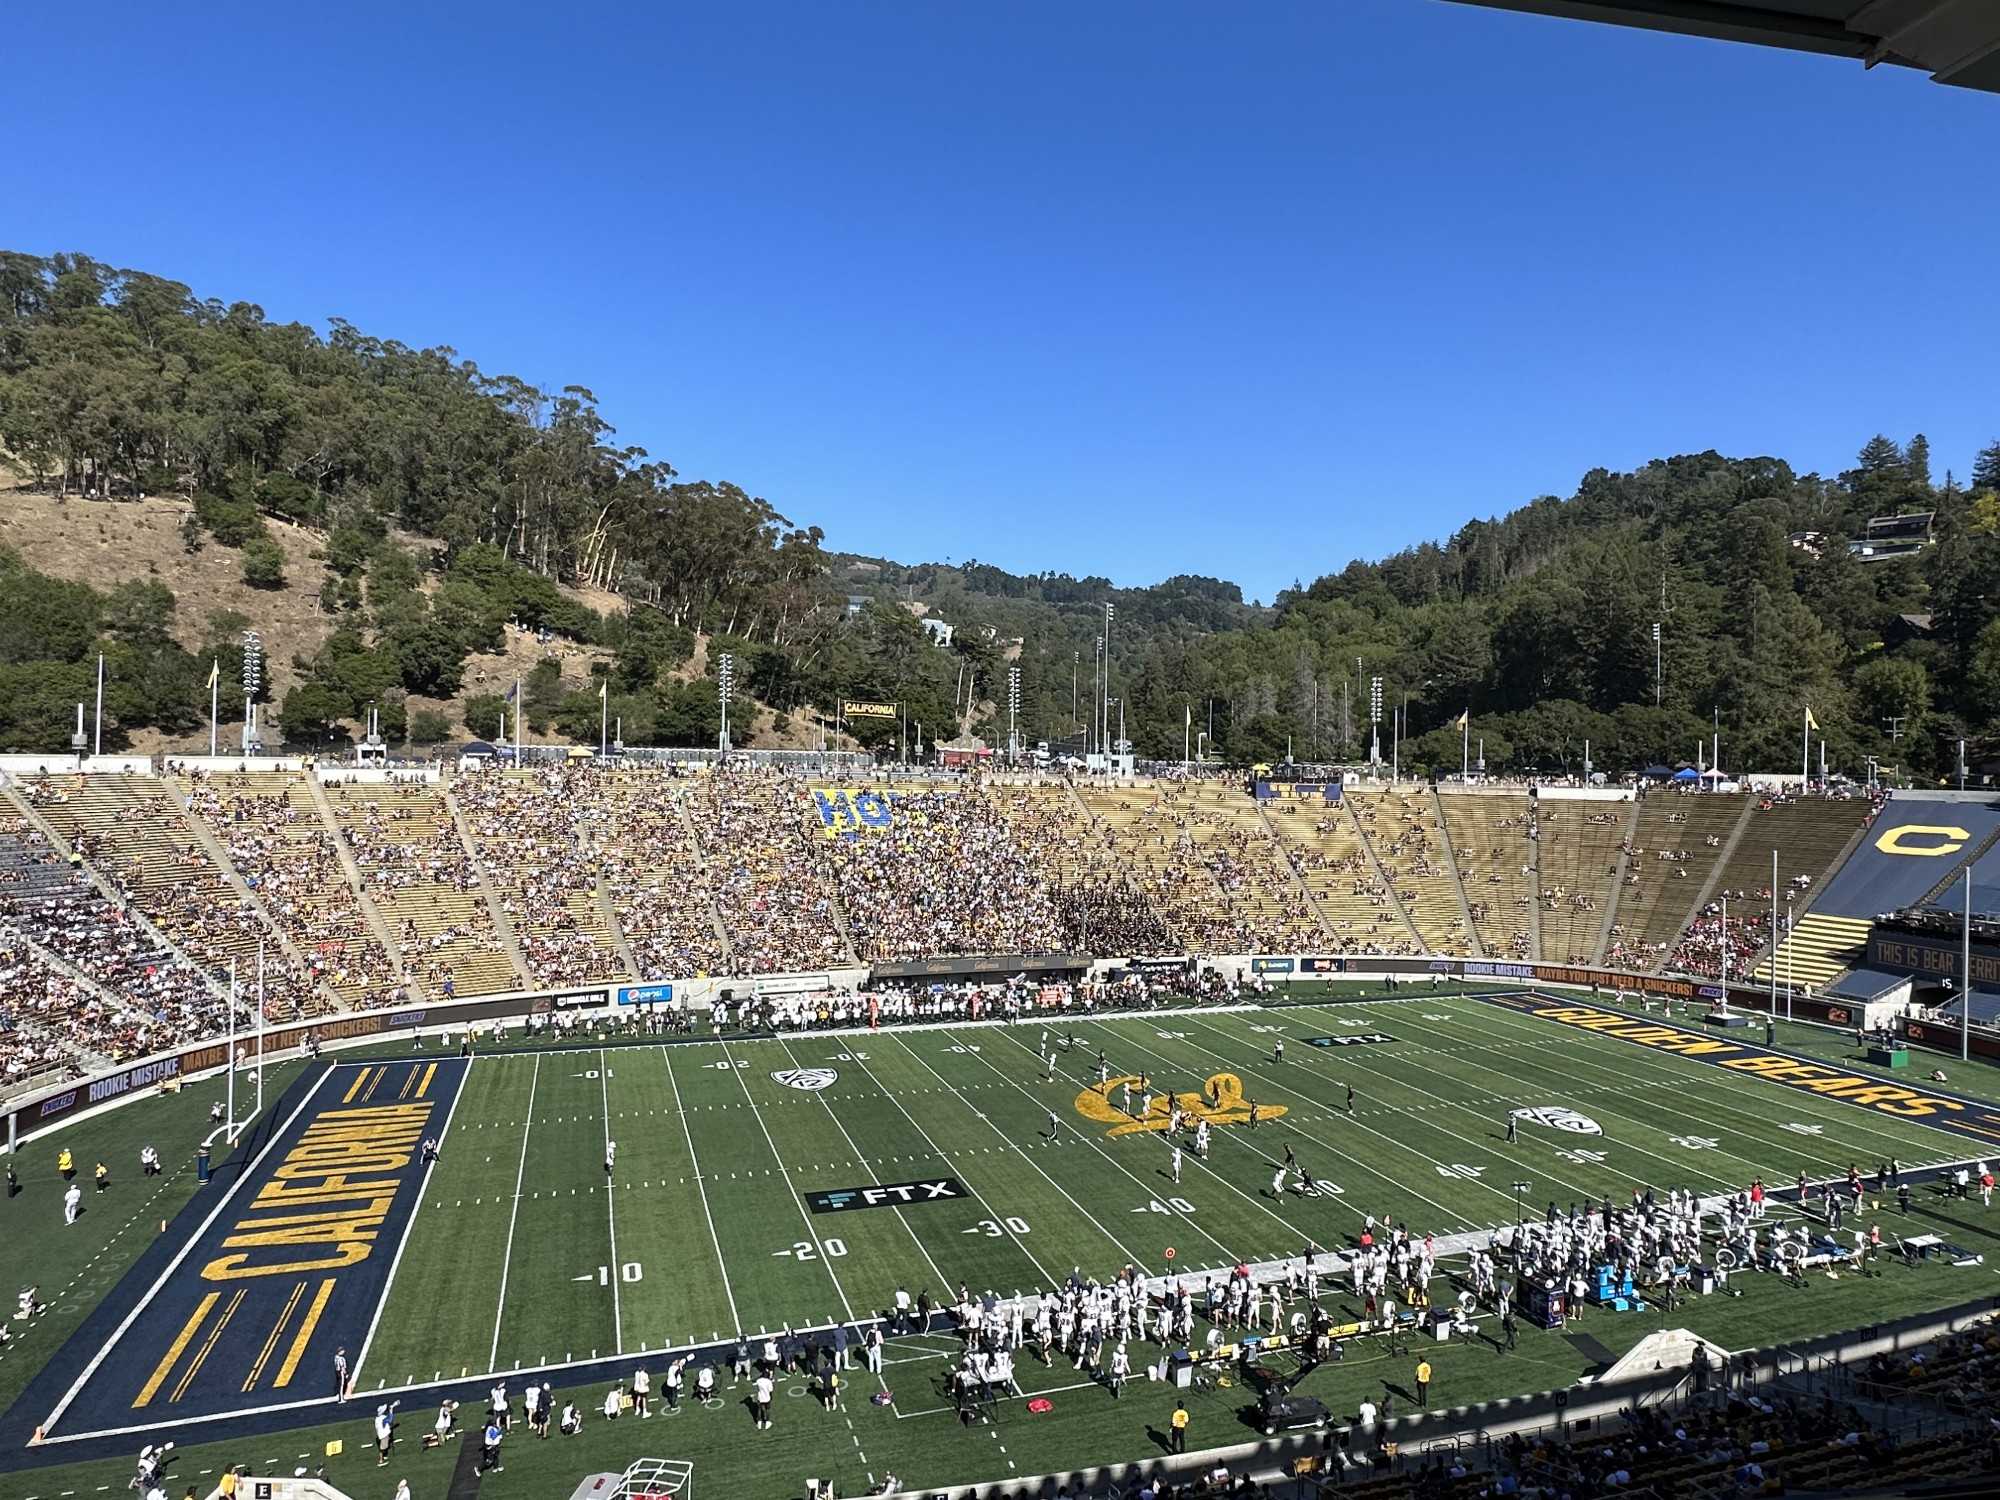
[271, 1274]
[1913, 844]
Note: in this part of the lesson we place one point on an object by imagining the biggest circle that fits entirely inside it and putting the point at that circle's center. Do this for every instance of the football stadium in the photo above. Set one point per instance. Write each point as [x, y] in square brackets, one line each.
[528, 974]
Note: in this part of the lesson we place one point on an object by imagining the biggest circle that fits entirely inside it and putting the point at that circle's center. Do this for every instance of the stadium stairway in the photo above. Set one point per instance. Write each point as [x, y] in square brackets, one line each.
[11, 802]
[608, 915]
[205, 835]
[1706, 892]
[1360, 819]
[1450, 860]
[488, 889]
[1628, 828]
[381, 930]
[714, 912]
[1494, 858]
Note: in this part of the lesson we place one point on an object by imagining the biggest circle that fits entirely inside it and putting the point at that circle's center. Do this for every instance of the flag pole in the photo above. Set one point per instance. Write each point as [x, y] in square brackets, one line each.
[214, 700]
[1805, 754]
[1464, 746]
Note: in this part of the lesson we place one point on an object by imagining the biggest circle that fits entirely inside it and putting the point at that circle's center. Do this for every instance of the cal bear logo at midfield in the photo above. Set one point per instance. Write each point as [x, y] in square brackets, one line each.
[1557, 1118]
[810, 1080]
[1220, 1103]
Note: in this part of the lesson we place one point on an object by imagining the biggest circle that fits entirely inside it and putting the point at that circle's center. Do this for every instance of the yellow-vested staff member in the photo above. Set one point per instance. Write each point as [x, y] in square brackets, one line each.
[1179, 1425]
[1423, 1382]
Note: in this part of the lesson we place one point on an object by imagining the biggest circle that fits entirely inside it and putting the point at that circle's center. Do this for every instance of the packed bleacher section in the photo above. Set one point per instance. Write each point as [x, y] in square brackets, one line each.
[416, 872]
[1578, 845]
[946, 875]
[1492, 845]
[662, 891]
[1403, 828]
[270, 827]
[500, 880]
[158, 995]
[1100, 905]
[529, 832]
[778, 905]
[132, 832]
[1716, 944]
[42, 1012]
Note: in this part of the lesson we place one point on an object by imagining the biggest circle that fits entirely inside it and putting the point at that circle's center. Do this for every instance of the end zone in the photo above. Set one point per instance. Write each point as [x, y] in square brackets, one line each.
[290, 1265]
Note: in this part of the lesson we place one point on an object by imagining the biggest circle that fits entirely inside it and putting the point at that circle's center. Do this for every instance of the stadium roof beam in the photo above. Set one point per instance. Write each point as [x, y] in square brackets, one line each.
[1955, 41]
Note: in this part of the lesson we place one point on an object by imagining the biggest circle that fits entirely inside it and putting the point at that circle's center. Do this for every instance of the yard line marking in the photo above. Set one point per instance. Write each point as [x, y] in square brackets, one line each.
[1338, 1151]
[425, 1087]
[1016, 1149]
[804, 1217]
[208, 1345]
[97, 1360]
[1121, 1167]
[355, 1087]
[176, 1349]
[409, 1228]
[514, 1213]
[941, 1156]
[1689, 1165]
[901, 1217]
[611, 1213]
[666, 1061]
[305, 1333]
[1291, 1229]
[277, 1332]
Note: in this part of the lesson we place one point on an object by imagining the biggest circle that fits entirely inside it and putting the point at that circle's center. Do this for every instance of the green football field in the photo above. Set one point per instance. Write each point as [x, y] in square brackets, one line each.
[525, 1253]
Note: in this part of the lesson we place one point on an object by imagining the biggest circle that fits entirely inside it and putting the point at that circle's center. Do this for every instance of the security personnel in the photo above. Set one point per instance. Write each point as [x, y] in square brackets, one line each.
[1179, 1424]
[1423, 1383]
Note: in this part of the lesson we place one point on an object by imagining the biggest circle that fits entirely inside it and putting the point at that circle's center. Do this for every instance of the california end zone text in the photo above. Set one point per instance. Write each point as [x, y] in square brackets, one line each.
[287, 1267]
[326, 1204]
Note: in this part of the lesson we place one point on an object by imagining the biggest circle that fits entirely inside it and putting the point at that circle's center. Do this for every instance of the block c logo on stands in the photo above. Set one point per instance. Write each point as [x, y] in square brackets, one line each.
[807, 1080]
[1557, 1118]
[1899, 840]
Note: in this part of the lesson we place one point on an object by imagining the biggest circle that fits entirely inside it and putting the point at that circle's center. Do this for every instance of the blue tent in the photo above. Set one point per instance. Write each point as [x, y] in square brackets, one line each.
[1687, 773]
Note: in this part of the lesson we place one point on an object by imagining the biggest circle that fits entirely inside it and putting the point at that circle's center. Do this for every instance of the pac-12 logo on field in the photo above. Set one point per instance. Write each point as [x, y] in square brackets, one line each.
[811, 1080]
[1557, 1118]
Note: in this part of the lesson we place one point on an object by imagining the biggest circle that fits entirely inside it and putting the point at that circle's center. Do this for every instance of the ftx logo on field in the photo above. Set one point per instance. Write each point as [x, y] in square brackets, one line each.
[884, 1195]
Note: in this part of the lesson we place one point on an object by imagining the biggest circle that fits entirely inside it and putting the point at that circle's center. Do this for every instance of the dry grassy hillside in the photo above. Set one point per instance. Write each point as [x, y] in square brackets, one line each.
[103, 542]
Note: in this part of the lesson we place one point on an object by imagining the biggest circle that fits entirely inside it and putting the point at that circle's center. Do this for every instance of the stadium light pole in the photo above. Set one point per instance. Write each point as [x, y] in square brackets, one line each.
[1013, 714]
[1110, 611]
[253, 682]
[1965, 978]
[1657, 679]
[97, 739]
[725, 682]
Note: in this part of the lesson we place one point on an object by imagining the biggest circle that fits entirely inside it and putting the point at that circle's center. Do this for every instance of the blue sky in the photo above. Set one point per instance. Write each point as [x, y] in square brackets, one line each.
[1120, 288]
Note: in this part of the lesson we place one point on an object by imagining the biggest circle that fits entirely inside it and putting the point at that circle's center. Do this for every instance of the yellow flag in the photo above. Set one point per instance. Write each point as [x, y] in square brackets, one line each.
[214, 672]
[335, 1447]
[1463, 720]
[1811, 722]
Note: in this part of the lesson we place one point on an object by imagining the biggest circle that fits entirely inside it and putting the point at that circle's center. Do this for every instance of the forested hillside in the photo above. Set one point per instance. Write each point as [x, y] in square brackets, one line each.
[431, 512]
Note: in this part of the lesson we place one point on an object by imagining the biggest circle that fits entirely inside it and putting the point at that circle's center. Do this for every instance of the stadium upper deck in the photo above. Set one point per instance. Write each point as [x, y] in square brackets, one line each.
[433, 887]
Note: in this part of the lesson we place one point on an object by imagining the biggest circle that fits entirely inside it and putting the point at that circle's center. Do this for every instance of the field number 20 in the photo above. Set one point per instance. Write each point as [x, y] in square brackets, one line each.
[803, 1249]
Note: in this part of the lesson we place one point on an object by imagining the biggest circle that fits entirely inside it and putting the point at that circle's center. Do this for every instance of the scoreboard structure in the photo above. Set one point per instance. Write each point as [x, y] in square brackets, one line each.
[1927, 943]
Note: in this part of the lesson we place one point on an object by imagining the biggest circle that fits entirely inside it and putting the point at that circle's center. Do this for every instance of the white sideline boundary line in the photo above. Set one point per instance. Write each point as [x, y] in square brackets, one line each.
[514, 1214]
[409, 1231]
[701, 1191]
[610, 1210]
[187, 1249]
